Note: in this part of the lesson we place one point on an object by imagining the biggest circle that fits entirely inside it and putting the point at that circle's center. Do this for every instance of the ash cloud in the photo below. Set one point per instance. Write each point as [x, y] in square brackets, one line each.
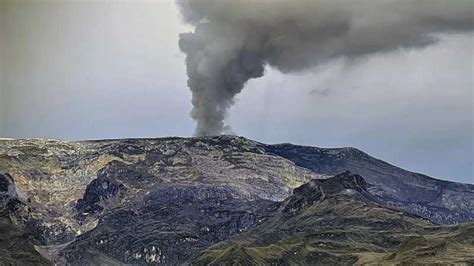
[234, 40]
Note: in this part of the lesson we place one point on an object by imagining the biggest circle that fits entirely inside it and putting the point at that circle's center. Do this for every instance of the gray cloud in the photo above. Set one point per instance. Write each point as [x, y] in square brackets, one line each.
[412, 108]
[234, 40]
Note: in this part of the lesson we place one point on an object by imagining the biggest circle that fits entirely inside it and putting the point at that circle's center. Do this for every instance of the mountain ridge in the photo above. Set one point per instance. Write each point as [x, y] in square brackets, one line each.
[337, 221]
[346, 148]
[78, 197]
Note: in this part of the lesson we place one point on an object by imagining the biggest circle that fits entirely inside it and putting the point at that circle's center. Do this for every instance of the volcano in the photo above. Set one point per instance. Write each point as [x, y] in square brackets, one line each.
[224, 199]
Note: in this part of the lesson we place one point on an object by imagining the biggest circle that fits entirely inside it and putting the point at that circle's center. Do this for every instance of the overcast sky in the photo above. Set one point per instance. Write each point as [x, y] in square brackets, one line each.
[91, 70]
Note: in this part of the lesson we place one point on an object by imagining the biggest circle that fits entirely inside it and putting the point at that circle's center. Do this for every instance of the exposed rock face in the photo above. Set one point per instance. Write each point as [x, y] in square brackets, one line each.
[171, 224]
[9, 203]
[16, 243]
[166, 200]
[7, 187]
[100, 192]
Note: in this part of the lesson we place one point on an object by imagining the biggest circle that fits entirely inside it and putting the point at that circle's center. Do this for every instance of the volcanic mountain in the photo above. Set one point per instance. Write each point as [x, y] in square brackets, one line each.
[222, 199]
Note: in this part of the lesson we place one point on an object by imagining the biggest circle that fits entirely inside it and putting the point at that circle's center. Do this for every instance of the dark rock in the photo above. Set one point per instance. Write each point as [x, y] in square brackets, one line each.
[102, 190]
[171, 224]
[7, 186]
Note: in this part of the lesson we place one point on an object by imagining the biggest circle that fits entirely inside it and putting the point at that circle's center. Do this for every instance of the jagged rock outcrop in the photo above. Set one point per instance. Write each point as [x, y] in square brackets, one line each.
[7, 187]
[100, 193]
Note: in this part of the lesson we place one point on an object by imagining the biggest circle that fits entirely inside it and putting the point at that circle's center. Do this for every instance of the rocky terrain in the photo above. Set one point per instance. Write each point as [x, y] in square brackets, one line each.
[226, 198]
[337, 221]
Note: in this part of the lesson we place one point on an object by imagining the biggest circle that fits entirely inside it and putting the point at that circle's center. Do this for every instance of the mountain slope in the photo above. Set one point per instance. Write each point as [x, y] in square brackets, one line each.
[441, 201]
[64, 165]
[16, 244]
[337, 221]
[169, 224]
[151, 200]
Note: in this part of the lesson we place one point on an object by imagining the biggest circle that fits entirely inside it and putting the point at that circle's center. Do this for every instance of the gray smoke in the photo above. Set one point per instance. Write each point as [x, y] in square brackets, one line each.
[234, 40]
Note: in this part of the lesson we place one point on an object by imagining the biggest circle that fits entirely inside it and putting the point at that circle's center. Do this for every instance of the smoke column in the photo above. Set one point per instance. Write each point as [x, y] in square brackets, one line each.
[234, 40]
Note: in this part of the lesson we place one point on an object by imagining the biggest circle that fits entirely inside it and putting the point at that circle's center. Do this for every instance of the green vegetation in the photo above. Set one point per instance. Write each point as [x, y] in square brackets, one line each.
[336, 222]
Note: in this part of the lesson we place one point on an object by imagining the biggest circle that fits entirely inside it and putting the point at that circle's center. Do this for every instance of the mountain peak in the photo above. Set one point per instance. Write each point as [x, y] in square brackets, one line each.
[344, 184]
[341, 182]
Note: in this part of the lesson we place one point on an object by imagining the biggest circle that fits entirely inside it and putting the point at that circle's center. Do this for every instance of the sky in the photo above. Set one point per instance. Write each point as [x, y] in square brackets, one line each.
[77, 70]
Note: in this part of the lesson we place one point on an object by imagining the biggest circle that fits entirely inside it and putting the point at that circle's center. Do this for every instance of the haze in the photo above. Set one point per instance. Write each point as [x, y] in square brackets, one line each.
[113, 69]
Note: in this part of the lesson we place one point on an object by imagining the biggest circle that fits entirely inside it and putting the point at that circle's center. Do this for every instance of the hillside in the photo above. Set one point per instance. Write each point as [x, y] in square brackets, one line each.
[337, 222]
[167, 200]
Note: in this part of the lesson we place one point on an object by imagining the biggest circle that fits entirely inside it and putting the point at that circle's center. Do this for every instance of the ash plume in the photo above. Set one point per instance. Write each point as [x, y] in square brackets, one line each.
[234, 40]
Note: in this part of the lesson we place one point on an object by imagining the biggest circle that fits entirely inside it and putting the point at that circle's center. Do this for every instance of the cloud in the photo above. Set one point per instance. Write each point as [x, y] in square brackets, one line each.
[234, 40]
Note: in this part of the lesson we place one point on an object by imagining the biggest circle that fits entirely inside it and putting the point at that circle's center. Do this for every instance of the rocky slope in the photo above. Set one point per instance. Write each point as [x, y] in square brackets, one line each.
[338, 222]
[145, 201]
[438, 200]
[16, 243]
